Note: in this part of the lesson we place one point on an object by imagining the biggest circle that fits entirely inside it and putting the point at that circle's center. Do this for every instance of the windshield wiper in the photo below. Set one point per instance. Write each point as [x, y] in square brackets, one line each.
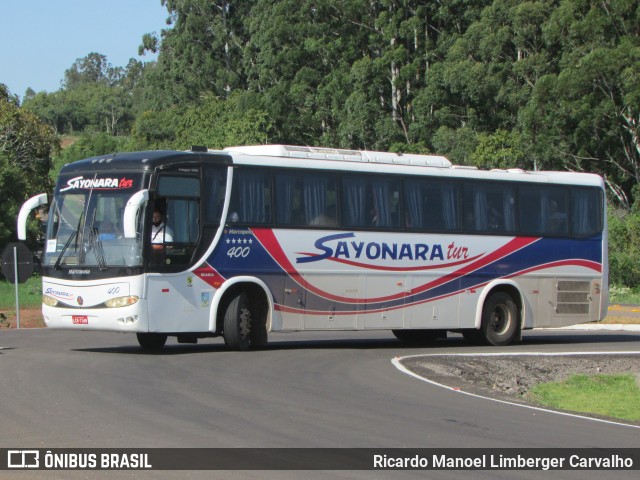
[66, 245]
[96, 243]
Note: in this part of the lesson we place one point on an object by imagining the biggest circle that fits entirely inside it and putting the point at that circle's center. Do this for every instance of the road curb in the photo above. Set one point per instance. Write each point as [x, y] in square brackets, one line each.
[615, 327]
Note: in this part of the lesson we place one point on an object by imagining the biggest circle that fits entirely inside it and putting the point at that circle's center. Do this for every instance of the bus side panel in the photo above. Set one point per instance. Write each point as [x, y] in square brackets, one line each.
[383, 315]
[439, 312]
[178, 303]
[329, 312]
[322, 279]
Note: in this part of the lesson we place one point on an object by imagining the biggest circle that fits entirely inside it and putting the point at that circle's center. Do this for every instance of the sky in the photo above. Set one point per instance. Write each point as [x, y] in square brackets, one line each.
[40, 39]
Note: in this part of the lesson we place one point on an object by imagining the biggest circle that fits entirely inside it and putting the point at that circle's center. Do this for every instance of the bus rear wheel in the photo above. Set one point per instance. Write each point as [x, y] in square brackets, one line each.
[500, 320]
[152, 342]
[238, 319]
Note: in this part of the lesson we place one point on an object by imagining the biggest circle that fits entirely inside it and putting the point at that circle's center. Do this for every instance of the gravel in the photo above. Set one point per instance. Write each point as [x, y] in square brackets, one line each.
[511, 377]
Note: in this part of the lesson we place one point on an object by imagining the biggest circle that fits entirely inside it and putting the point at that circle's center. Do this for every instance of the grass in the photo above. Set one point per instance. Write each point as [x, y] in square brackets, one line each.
[624, 295]
[29, 293]
[615, 396]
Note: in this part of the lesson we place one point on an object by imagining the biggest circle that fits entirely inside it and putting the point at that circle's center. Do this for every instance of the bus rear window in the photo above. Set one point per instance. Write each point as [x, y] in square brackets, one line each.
[586, 212]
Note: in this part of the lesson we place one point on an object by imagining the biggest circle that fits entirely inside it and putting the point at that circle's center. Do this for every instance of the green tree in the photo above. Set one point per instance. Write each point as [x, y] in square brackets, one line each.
[500, 149]
[89, 144]
[26, 148]
[586, 115]
[458, 144]
[51, 109]
[156, 129]
[95, 96]
[93, 68]
[624, 248]
[216, 123]
[201, 52]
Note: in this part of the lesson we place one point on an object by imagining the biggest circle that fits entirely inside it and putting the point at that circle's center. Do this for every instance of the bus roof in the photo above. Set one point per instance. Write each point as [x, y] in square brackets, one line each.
[364, 156]
[392, 163]
[145, 160]
[288, 156]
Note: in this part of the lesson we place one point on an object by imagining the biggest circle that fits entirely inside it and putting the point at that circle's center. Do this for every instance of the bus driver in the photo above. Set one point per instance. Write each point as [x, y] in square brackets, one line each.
[160, 233]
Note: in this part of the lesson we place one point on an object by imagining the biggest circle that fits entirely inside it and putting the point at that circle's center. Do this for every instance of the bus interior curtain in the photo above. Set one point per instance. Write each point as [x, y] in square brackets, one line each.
[382, 217]
[315, 198]
[544, 208]
[214, 182]
[481, 209]
[414, 197]
[581, 224]
[354, 193]
[508, 210]
[449, 195]
[252, 204]
[284, 194]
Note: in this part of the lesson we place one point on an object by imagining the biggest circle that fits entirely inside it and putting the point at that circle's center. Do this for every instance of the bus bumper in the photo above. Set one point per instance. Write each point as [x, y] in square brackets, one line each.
[132, 318]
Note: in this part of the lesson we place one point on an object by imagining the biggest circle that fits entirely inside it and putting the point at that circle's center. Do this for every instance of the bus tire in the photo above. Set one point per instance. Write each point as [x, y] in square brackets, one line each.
[419, 337]
[238, 318]
[500, 320]
[152, 342]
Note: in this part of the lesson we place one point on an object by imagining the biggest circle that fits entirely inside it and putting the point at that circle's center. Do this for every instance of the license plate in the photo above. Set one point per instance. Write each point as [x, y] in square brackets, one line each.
[80, 319]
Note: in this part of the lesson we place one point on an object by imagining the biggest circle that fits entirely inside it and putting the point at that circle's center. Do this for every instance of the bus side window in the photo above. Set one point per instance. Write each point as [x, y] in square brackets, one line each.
[304, 198]
[370, 201]
[431, 205]
[543, 210]
[586, 212]
[489, 208]
[251, 196]
[319, 199]
[529, 210]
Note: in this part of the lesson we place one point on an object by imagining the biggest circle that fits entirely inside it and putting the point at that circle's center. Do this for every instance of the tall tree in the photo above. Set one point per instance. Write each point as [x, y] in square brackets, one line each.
[587, 115]
[26, 148]
[201, 52]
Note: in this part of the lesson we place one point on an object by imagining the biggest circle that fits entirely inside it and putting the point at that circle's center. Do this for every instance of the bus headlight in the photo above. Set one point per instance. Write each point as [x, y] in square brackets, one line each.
[49, 301]
[121, 301]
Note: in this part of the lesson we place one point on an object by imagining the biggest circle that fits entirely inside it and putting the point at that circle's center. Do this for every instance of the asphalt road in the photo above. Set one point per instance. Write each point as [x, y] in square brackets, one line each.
[91, 389]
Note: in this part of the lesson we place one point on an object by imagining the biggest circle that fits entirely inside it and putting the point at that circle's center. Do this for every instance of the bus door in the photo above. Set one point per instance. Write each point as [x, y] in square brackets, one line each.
[175, 294]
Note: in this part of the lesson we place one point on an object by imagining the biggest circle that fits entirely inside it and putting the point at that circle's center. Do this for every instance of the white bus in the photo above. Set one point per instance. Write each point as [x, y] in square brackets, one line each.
[279, 238]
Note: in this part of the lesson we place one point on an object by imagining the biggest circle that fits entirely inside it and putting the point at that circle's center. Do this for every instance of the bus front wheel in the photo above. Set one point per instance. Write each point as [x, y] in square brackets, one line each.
[500, 320]
[238, 319]
[151, 341]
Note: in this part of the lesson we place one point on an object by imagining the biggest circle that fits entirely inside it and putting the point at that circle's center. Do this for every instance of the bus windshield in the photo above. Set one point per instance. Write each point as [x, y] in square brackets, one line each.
[86, 222]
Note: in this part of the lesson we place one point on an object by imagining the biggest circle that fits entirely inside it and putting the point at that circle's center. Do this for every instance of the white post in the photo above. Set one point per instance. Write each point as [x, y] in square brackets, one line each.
[15, 279]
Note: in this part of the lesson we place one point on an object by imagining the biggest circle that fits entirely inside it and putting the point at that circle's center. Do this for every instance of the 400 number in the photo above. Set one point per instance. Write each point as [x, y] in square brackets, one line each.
[238, 252]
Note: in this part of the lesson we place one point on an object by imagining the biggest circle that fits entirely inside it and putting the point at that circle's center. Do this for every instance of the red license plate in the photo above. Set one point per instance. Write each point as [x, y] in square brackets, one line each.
[80, 319]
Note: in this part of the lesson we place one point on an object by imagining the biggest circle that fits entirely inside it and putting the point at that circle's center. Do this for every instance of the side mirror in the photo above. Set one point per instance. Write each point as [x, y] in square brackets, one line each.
[131, 211]
[26, 208]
